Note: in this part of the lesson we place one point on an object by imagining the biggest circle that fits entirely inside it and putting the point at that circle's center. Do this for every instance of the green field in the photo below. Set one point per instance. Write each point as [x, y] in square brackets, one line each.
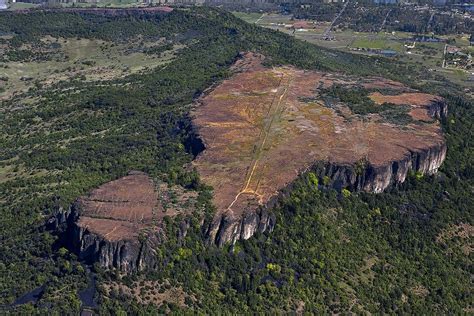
[248, 17]
[375, 42]
[90, 59]
[22, 5]
[424, 55]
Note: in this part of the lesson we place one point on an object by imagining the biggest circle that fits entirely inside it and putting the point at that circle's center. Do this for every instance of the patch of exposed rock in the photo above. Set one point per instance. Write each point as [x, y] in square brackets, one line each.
[229, 227]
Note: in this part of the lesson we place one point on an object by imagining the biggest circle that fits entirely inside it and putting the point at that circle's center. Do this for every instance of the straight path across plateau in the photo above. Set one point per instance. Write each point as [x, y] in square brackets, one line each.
[275, 110]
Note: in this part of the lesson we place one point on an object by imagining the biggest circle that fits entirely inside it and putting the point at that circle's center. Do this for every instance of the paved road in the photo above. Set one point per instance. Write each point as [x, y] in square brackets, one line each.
[327, 33]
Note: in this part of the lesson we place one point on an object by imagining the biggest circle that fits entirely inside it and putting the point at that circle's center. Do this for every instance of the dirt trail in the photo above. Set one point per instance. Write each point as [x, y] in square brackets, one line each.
[265, 127]
[274, 113]
[110, 232]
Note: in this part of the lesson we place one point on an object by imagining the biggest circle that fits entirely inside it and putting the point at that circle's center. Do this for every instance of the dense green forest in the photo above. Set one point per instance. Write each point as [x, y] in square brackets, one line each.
[328, 253]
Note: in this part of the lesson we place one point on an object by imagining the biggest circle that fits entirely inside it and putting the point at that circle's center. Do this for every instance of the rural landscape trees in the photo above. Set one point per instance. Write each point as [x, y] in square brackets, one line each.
[403, 251]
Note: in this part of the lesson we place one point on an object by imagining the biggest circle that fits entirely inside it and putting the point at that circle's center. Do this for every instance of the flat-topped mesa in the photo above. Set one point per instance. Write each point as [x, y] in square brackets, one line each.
[263, 127]
[119, 224]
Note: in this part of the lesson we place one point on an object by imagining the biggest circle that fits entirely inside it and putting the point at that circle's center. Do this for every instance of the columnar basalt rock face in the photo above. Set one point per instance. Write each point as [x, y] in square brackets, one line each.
[127, 254]
[377, 179]
[119, 224]
[230, 228]
[263, 128]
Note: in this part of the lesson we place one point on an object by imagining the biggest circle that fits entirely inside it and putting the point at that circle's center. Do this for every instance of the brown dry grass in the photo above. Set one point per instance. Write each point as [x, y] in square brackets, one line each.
[260, 136]
[122, 208]
[418, 102]
[415, 99]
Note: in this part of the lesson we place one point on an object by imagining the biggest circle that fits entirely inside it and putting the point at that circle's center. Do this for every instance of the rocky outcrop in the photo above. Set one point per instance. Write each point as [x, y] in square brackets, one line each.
[124, 254]
[119, 225]
[228, 228]
[260, 134]
[438, 109]
[376, 179]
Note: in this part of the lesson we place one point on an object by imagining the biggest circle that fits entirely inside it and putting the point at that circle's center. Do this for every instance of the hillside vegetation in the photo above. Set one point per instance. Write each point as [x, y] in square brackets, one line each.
[328, 253]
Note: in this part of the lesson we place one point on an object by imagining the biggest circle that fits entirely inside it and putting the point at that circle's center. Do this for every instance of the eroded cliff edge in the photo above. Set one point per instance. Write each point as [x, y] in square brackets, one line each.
[262, 128]
[127, 254]
[229, 227]
[119, 225]
[254, 135]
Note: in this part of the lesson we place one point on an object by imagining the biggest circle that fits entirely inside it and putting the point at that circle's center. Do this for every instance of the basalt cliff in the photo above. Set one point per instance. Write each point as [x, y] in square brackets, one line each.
[125, 254]
[119, 224]
[254, 134]
[262, 128]
[229, 227]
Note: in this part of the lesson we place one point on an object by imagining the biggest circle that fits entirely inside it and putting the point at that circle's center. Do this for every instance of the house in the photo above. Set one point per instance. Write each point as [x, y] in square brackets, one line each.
[452, 50]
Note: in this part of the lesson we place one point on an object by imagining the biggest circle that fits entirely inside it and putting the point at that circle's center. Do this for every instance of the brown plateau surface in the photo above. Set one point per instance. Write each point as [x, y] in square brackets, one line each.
[263, 127]
[120, 209]
[119, 224]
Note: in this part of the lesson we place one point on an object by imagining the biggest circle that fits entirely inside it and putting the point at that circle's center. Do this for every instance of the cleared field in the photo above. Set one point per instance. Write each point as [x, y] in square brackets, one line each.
[22, 6]
[375, 42]
[428, 56]
[263, 127]
[251, 17]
